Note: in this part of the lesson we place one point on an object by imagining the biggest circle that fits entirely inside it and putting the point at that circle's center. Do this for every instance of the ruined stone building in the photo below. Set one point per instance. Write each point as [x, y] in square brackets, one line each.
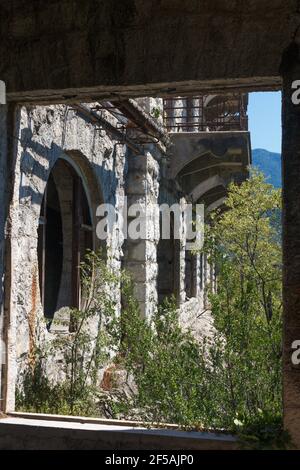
[63, 52]
[68, 160]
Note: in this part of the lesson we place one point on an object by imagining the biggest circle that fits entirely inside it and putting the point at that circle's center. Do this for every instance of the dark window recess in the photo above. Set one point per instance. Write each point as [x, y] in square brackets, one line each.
[201, 272]
[82, 240]
[190, 274]
[58, 232]
[50, 249]
[168, 258]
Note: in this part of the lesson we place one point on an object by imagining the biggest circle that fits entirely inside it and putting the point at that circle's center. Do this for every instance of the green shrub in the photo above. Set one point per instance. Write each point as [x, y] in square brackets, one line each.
[231, 380]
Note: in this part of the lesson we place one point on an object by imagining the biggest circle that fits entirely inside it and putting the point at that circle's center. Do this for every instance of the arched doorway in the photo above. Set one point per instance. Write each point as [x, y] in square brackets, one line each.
[65, 234]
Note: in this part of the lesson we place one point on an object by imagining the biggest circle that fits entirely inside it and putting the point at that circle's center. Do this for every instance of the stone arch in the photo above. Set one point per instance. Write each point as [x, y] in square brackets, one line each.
[66, 231]
[205, 186]
[214, 205]
[85, 169]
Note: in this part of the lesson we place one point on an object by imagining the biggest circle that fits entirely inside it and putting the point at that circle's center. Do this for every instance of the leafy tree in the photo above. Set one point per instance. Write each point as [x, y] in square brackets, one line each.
[243, 243]
[231, 380]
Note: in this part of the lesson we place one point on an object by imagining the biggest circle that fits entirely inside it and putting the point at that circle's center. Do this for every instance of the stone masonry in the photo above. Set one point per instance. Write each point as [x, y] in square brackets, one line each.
[106, 156]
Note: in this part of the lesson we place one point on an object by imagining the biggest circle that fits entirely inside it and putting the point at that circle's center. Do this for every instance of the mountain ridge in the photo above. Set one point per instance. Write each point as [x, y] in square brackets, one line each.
[269, 163]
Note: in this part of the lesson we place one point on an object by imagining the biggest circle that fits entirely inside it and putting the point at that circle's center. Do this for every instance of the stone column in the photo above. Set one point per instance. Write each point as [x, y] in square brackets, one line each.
[140, 258]
[290, 70]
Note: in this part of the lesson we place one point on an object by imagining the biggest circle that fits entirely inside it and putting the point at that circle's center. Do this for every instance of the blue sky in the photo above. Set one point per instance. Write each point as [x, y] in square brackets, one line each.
[264, 112]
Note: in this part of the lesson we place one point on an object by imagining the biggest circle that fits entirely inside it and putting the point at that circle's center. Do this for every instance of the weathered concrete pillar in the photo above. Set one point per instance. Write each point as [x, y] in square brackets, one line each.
[3, 161]
[7, 345]
[290, 70]
[140, 255]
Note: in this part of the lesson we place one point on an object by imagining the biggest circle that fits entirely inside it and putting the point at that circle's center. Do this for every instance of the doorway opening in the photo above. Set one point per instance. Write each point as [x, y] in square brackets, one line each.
[65, 234]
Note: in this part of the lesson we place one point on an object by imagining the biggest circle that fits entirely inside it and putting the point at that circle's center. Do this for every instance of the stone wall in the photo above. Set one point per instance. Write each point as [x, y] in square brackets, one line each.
[110, 173]
[46, 134]
[3, 176]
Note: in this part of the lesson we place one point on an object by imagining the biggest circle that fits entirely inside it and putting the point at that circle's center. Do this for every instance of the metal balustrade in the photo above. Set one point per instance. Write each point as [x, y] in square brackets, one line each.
[206, 113]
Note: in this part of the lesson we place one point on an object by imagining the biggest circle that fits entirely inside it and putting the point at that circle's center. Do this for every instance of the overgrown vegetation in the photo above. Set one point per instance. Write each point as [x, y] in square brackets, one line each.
[71, 387]
[243, 243]
[231, 380]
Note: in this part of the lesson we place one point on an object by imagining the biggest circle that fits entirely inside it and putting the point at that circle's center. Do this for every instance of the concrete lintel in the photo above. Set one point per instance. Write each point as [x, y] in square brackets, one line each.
[164, 89]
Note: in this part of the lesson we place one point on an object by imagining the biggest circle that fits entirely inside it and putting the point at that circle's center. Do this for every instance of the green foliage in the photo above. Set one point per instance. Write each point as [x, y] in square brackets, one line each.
[243, 244]
[79, 354]
[264, 433]
[231, 380]
[155, 112]
[38, 394]
[167, 366]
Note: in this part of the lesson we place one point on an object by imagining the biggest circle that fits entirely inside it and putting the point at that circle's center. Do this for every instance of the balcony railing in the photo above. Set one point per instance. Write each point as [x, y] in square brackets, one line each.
[206, 113]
